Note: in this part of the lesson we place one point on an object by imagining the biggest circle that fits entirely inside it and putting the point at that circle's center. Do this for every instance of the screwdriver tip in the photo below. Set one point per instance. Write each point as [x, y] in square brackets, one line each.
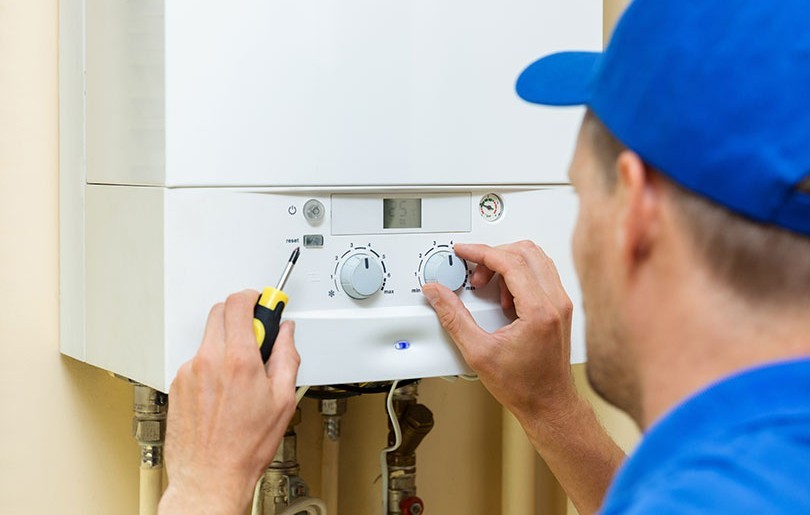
[295, 254]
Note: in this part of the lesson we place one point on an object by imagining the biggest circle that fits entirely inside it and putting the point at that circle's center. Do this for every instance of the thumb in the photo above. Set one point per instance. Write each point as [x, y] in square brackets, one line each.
[455, 318]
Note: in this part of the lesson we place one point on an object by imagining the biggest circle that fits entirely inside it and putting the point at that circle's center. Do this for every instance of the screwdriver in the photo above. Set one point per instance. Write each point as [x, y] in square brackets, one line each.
[267, 313]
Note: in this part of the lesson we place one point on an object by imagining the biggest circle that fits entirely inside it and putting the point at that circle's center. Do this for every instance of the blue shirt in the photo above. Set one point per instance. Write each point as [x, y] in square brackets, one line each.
[740, 446]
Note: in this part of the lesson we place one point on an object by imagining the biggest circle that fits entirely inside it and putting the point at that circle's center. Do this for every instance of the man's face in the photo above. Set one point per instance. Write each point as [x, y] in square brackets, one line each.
[610, 363]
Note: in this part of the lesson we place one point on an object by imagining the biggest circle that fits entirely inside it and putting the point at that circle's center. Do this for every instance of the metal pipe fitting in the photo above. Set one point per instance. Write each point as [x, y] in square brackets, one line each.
[149, 424]
[415, 421]
[281, 483]
[149, 430]
[332, 410]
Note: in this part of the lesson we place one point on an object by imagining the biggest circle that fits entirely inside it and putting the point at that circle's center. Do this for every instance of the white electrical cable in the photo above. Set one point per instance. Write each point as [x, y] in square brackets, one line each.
[389, 406]
[311, 505]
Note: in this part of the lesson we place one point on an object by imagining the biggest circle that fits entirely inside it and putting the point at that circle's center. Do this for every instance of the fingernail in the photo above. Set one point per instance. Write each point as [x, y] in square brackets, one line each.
[431, 294]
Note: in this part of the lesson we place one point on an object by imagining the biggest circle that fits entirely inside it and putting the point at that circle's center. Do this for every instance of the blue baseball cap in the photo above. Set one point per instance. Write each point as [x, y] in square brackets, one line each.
[713, 93]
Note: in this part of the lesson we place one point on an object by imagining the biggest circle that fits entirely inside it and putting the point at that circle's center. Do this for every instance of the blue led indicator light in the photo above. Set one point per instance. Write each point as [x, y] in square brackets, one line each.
[402, 345]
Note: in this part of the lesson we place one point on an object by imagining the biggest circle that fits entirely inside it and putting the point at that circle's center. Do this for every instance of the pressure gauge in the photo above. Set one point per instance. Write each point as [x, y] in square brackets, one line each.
[491, 207]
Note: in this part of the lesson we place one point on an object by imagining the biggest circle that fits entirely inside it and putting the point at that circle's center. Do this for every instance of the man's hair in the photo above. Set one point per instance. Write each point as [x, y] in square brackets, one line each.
[763, 263]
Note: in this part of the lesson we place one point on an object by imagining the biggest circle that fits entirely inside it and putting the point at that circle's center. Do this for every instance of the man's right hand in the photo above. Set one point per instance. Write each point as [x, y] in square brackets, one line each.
[526, 364]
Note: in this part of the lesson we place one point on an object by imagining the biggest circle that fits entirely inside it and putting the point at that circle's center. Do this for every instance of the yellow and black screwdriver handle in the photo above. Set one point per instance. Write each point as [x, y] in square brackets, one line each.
[267, 319]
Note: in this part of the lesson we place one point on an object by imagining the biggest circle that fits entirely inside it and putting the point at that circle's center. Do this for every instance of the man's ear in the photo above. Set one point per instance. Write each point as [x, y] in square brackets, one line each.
[639, 216]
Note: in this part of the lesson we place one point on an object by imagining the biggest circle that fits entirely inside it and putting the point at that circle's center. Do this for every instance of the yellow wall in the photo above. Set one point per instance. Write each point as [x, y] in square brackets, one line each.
[65, 427]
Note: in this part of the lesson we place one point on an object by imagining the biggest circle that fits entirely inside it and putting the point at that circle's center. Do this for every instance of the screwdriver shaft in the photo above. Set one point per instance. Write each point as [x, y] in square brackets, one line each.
[293, 258]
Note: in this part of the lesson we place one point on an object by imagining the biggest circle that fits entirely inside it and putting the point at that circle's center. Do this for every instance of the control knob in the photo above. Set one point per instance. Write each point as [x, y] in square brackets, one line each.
[361, 276]
[445, 268]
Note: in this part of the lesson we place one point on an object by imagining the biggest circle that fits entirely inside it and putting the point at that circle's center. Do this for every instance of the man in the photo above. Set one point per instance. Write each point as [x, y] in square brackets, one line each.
[693, 250]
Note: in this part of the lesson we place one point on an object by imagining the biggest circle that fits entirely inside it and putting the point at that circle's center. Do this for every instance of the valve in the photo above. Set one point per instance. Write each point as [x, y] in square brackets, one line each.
[412, 506]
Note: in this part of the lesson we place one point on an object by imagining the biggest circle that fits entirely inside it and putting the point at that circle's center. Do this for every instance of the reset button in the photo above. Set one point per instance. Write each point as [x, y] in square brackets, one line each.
[313, 240]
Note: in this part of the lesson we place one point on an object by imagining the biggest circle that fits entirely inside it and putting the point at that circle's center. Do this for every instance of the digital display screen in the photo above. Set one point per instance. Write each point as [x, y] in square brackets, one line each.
[402, 213]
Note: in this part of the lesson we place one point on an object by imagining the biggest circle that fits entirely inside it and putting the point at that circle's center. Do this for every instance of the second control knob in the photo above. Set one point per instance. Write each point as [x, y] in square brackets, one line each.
[361, 276]
[447, 269]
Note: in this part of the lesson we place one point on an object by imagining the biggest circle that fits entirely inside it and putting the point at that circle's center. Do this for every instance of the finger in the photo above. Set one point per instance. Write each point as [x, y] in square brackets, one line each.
[507, 301]
[214, 335]
[456, 319]
[554, 274]
[176, 389]
[557, 291]
[544, 270]
[513, 267]
[212, 348]
[481, 275]
[471, 251]
[239, 318]
[282, 367]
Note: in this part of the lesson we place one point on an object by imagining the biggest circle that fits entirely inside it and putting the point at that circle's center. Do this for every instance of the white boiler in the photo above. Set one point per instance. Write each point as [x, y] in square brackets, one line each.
[203, 140]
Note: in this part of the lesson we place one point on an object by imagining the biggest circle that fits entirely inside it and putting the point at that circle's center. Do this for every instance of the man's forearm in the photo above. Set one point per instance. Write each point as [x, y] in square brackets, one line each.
[577, 449]
[221, 496]
[177, 502]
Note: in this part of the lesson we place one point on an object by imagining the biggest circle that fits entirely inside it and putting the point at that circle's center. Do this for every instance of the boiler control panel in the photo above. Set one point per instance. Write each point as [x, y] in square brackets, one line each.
[355, 293]
[388, 245]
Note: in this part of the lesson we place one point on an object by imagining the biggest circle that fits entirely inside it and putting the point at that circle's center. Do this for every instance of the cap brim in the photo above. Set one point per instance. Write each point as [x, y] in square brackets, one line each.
[561, 79]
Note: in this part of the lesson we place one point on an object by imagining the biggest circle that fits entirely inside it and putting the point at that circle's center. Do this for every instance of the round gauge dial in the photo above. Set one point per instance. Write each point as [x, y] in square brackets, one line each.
[491, 207]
